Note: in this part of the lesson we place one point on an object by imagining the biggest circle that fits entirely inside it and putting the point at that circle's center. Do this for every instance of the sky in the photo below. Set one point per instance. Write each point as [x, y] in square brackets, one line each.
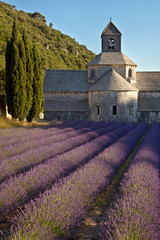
[85, 20]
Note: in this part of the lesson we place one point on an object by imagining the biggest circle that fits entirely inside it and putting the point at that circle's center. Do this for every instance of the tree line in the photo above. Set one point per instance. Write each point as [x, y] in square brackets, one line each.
[23, 77]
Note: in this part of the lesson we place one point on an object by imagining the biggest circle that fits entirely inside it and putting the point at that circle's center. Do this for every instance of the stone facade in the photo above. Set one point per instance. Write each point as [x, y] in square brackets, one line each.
[125, 104]
[110, 89]
[66, 105]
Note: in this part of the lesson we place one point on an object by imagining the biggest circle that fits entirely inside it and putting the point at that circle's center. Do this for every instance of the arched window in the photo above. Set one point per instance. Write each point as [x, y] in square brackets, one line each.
[111, 43]
[114, 110]
[130, 72]
[92, 73]
[97, 110]
[131, 110]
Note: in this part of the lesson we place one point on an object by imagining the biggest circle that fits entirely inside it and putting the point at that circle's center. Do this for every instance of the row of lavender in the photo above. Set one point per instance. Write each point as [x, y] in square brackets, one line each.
[136, 213]
[24, 161]
[16, 190]
[37, 139]
[59, 211]
[24, 135]
[12, 136]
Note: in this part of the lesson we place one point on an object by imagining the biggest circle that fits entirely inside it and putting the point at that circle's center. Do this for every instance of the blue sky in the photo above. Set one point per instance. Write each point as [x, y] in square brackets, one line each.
[84, 20]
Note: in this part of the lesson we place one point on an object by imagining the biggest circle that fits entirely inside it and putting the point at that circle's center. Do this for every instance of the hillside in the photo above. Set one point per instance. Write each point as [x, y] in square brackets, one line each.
[59, 51]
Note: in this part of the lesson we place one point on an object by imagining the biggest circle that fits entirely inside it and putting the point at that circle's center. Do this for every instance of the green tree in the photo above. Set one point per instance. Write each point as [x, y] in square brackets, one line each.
[2, 82]
[38, 16]
[37, 86]
[29, 73]
[50, 25]
[15, 74]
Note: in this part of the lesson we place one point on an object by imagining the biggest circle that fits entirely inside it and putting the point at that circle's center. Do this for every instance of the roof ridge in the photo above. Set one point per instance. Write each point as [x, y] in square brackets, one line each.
[105, 74]
[129, 84]
[65, 70]
[108, 27]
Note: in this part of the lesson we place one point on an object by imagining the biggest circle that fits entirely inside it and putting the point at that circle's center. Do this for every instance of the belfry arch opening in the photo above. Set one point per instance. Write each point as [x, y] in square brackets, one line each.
[111, 43]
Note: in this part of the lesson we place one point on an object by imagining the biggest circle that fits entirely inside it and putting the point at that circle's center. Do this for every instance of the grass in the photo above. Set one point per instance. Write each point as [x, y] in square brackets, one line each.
[7, 123]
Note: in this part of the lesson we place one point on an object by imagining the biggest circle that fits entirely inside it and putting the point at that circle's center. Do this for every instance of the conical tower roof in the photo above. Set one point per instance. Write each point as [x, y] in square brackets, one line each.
[112, 81]
[111, 58]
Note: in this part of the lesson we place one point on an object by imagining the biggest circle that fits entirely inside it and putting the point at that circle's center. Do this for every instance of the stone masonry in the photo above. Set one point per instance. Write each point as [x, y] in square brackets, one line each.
[110, 89]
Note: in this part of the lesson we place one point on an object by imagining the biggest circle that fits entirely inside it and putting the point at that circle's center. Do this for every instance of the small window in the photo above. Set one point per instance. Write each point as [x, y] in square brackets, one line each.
[131, 73]
[92, 73]
[114, 110]
[131, 110]
[97, 110]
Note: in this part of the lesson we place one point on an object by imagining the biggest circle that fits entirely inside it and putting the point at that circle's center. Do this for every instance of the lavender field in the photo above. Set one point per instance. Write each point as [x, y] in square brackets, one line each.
[51, 177]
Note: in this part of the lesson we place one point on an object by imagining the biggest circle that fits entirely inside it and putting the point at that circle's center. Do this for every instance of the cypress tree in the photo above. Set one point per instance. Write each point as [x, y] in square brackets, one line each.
[37, 86]
[8, 86]
[29, 73]
[22, 80]
[15, 74]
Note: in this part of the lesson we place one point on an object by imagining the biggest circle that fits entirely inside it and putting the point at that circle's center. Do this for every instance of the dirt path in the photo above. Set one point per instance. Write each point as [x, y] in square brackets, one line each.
[91, 225]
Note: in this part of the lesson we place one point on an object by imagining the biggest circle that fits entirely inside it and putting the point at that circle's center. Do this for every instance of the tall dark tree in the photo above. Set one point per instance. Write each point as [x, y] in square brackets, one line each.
[29, 73]
[22, 80]
[37, 86]
[2, 82]
[15, 74]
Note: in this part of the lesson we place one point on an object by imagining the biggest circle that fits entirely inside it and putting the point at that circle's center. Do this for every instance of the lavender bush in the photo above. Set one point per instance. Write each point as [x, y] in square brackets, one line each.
[24, 135]
[54, 214]
[117, 152]
[50, 136]
[22, 187]
[136, 213]
[32, 157]
[58, 212]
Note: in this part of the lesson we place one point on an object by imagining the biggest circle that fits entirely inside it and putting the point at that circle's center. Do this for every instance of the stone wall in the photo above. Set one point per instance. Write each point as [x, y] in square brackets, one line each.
[95, 72]
[66, 106]
[149, 116]
[117, 40]
[149, 107]
[149, 101]
[66, 115]
[125, 102]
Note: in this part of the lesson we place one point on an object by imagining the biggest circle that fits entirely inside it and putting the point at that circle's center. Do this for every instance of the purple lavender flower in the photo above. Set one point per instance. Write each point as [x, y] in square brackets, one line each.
[136, 213]
[62, 208]
[26, 160]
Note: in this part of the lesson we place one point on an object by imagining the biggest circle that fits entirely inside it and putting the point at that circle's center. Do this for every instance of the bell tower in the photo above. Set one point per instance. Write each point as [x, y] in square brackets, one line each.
[111, 38]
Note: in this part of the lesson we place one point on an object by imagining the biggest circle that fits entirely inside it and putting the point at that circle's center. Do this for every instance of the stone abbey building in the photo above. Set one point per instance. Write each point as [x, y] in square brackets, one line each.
[110, 89]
